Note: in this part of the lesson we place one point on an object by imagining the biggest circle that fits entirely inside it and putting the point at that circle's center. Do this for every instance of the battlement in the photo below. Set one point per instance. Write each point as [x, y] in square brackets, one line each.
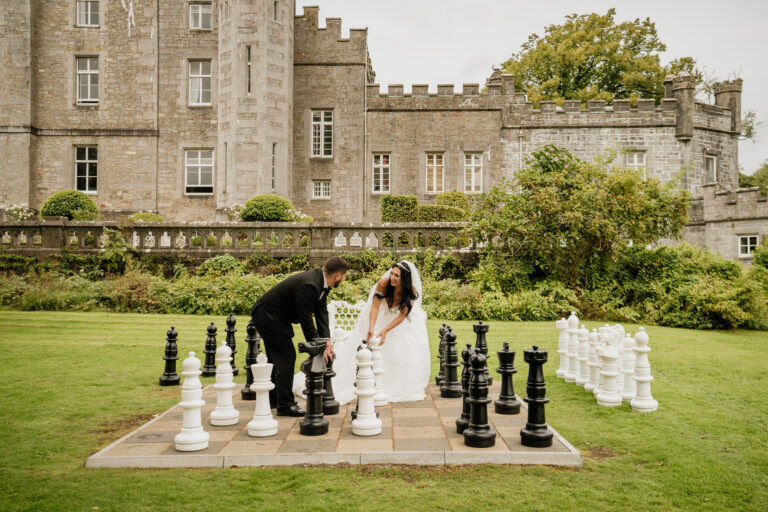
[316, 45]
[716, 204]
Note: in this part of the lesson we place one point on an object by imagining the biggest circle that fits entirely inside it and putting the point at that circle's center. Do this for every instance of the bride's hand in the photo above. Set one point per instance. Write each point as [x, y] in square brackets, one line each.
[368, 336]
[382, 337]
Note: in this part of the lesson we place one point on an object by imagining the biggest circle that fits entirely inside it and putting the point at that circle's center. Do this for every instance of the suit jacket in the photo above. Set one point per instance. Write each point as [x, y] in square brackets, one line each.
[294, 301]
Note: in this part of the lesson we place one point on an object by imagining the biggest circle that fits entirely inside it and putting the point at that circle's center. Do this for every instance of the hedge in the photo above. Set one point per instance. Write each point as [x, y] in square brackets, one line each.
[267, 208]
[399, 208]
[455, 199]
[67, 203]
[439, 213]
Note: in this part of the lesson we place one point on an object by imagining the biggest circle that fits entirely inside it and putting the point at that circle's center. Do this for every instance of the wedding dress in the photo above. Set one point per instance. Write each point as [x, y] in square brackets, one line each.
[405, 352]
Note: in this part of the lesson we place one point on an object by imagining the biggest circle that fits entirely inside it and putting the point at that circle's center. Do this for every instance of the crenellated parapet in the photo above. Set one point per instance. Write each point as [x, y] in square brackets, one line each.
[717, 205]
[446, 98]
[315, 45]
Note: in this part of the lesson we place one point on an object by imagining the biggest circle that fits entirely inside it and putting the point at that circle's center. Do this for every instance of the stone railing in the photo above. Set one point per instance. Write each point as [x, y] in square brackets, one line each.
[320, 240]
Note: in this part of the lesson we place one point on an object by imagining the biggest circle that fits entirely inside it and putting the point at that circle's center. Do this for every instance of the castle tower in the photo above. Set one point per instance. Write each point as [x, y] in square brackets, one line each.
[728, 95]
[255, 105]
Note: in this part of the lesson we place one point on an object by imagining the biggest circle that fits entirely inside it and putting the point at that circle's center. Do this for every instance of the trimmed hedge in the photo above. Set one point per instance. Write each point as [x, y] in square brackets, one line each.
[267, 208]
[399, 208]
[67, 203]
[440, 213]
[455, 199]
[145, 217]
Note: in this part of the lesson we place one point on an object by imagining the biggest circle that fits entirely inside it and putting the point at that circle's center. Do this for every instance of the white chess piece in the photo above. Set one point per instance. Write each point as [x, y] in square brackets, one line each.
[618, 343]
[366, 423]
[225, 412]
[643, 401]
[583, 376]
[592, 362]
[562, 347]
[609, 392]
[262, 424]
[192, 436]
[573, 348]
[628, 369]
[603, 335]
[380, 398]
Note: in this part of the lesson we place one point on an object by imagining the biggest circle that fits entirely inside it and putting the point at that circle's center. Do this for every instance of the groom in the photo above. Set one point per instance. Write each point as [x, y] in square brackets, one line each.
[294, 301]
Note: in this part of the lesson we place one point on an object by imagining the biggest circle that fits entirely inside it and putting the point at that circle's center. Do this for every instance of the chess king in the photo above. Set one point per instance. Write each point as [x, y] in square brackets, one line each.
[295, 301]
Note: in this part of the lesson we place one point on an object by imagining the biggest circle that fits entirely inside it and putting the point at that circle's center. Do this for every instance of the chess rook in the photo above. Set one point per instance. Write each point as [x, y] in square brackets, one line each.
[573, 348]
[507, 402]
[330, 404]
[209, 368]
[536, 433]
[262, 424]
[481, 343]
[192, 436]
[562, 347]
[643, 401]
[440, 349]
[451, 387]
[479, 433]
[170, 377]
[462, 422]
[314, 424]
[231, 343]
[254, 348]
[380, 398]
[366, 423]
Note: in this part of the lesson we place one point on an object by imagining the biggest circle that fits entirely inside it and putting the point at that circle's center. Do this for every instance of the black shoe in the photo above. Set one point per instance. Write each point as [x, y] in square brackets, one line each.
[293, 410]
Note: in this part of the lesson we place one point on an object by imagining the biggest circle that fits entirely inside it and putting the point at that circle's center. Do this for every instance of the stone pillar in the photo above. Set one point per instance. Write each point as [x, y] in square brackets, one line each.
[683, 87]
[728, 95]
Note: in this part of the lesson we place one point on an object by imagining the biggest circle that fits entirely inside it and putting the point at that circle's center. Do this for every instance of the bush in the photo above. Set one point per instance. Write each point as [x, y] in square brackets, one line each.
[66, 203]
[139, 217]
[221, 265]
[760, 256]
[456, 199]
[20, 212]
[399, 208]
[267, 208]
[439, 213]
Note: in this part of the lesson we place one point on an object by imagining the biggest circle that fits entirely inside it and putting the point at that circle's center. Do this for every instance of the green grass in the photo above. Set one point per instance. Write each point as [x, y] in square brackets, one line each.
[74, 382]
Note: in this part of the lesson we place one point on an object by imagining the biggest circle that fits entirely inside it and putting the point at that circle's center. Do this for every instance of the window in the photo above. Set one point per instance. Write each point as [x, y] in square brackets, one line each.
[274, 10]
[434, 173]
[199, 82]
[87, 80]
[248, 69]
[635, 159]
[321, 189]
[381, 173]
[473, 173]
[747, 245]
[198, 165]
[274, 160]
[86, 163]
[710, 168]
[88, 14]
[200, 16]
[322, 133]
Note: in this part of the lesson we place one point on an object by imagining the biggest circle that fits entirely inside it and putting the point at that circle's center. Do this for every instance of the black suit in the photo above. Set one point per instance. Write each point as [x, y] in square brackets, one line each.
[292, 301]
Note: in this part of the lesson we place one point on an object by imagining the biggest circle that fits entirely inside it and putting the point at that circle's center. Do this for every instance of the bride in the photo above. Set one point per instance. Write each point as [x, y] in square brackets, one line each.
[394, 314]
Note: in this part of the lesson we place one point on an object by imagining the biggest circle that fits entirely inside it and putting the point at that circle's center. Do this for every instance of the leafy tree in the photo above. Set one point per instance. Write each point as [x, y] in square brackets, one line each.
[758, 179]
[590, 56]
[561, 215]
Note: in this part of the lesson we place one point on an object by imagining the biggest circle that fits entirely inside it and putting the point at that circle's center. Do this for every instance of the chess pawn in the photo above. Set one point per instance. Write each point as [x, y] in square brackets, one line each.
[262, 424]
[209, 368]
[592, 363]
[330, 404]
[192, 436]
[573, 348]
[440, 349]
[451, 387]
[479, 433]
[463, 421]
[602, 338]
[643, 401]
[314, 424]
[254, 348]
[536, 433]
[366, 423]
[583, 376]
[628, 369]
[225, 412]
[562, 347]
[481, 330]
[170, 377]
[507, 402]
[608, 395]
[380, 398]
[231, 343]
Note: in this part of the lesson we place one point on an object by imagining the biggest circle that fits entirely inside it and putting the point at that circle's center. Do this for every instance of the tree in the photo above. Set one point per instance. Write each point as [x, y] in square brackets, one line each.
[758, 179]
[590, 56]
[561, 214]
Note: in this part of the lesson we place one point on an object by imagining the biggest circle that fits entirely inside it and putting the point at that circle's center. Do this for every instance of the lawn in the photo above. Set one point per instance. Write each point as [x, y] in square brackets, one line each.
[74, 382]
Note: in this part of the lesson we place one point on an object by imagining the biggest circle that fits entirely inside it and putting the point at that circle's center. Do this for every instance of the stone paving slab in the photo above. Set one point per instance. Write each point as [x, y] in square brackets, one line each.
[422, 433]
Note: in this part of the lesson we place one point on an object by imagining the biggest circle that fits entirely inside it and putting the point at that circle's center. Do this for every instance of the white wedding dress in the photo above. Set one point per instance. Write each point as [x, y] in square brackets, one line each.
[405, 352]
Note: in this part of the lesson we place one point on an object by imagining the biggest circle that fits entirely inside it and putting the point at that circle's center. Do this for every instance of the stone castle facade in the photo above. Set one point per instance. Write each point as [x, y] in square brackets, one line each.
[185, 108]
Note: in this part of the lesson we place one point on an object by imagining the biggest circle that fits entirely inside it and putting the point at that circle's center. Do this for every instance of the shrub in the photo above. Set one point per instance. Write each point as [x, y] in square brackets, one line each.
[86, 215]
[221, 265]
[440, 213]
[456, 199]
[20, 212]
[66, 203]
[267, 208]
[760, 256]
[399, 208]
[234, 212]
[139, 217]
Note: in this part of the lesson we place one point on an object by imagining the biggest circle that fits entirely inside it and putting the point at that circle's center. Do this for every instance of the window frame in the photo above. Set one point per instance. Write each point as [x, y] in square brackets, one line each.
[89, 13]
[748, 245]
[88, 163]
[86, 73]
[476, 170]
[381, 168]
[322, 188]
[713, 159]
[202, 78]
[434, 166]
[200, 16]
[325, 132]
[199, 166]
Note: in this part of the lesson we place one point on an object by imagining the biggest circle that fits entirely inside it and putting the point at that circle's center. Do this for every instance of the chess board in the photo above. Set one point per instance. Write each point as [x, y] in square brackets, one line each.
[418, 433]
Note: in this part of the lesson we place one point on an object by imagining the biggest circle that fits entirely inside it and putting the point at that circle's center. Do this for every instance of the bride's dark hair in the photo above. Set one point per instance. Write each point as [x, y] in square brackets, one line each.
[406, 282]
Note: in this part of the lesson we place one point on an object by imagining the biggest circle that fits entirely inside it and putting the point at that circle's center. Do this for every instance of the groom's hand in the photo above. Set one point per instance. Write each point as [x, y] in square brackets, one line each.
[329, 354]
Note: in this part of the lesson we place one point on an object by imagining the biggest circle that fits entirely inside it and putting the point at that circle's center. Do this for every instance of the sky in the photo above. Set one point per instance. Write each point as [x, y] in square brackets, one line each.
[459, 41]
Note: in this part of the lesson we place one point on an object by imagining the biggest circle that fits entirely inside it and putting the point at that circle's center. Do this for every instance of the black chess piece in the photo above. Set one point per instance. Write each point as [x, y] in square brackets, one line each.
[481, 330]
[479, 433]
[254, 348]
[536, 433]
[314, 424]
[231, 321]
[450, 387]
[440, 350]
[463, 422]
[507, 402]
[170, 378]
[209, 368]
[330, 404]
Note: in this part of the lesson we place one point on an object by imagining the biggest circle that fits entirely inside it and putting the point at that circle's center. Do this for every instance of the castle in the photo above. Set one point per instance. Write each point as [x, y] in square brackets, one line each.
[185, 108]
